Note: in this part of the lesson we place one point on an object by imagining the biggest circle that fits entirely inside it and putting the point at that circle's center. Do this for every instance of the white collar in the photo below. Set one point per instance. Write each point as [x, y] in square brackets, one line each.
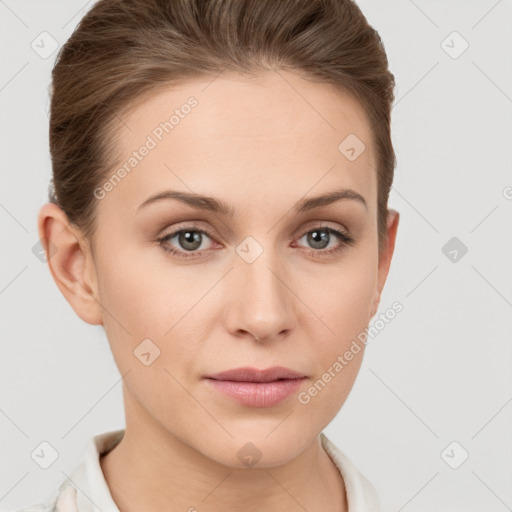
[86, 490]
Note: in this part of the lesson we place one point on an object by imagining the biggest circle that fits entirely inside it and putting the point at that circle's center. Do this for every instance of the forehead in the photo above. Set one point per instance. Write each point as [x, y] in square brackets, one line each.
[273, 104]
[238, 134]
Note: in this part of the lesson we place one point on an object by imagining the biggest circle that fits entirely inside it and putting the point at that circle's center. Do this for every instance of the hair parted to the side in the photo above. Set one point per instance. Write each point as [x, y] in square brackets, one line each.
[124, 50]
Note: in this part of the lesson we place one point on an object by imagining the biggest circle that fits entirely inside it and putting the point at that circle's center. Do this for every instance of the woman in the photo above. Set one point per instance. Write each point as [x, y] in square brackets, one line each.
[221, 173]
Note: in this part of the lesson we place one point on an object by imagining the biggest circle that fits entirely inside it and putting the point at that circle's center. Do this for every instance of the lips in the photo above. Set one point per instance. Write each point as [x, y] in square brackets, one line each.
[248, 374]
[257, 388]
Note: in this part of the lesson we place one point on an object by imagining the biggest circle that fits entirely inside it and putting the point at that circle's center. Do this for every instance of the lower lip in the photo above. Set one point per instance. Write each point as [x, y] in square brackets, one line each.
[258, 394]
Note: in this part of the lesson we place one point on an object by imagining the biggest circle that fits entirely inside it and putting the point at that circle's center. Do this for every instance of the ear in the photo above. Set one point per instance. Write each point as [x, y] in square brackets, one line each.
[385, 257]
[70, 260]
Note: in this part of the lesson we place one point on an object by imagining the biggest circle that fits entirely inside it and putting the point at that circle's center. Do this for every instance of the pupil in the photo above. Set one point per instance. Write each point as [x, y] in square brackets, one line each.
[319, 236]
[190, 237]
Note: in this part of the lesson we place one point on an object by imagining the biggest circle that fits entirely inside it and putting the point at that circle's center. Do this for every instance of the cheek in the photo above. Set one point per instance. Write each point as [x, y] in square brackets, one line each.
[341, 302]
[160, 302]
[341, 298]
[147, 293]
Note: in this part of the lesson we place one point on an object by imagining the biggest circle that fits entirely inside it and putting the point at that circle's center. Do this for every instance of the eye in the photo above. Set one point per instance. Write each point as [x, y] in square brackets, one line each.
[320, 237]
[190, 239]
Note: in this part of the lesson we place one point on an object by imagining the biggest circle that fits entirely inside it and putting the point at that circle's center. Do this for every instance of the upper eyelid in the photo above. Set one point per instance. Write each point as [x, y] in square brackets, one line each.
[197, 225]
[342, 234]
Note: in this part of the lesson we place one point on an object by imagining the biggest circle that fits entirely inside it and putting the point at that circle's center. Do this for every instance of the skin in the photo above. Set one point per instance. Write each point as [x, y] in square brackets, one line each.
[260, 147]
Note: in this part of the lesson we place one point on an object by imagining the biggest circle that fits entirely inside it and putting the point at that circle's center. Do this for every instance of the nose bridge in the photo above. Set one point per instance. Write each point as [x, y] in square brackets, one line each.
[261, 278]
[262, 304]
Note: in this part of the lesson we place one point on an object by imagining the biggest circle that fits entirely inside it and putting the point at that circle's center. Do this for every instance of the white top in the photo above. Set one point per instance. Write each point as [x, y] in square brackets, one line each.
[86, 490]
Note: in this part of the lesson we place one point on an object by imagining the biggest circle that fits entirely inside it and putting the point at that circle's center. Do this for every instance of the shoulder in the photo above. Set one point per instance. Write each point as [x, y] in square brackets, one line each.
[87, 476]
[46, 506]
[62, 500]
[361, 494]
[36, 507]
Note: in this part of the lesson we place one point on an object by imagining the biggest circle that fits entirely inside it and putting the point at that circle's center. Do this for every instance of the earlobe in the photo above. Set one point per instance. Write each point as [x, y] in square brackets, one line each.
[385, 257]
[375, 304]
[70, 262]
[392, 227]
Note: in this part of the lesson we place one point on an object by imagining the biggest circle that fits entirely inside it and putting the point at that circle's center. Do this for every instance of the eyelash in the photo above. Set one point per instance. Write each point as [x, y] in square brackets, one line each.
[345, 239]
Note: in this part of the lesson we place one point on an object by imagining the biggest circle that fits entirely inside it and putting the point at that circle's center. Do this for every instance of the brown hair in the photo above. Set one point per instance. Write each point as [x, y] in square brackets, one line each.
[124, 50]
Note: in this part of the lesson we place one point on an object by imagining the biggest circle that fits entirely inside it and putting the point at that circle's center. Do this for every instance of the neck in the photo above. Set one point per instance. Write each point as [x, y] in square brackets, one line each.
[153, 470]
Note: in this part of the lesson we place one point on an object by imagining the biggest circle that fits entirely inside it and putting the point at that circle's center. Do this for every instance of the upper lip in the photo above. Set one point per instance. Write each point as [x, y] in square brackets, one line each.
[247, 374]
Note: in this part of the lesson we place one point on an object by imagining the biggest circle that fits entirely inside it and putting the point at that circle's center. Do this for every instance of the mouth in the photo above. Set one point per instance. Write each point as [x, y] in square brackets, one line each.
[257, 388]
[248, 374]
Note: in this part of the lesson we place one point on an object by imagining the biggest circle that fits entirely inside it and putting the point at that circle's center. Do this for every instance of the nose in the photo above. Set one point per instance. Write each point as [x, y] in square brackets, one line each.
[261, 303]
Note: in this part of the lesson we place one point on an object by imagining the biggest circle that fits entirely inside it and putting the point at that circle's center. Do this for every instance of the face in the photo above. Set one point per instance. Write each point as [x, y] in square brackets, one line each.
[187, 292]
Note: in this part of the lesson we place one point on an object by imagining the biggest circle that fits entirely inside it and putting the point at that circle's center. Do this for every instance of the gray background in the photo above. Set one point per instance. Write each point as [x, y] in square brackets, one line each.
[439, 372]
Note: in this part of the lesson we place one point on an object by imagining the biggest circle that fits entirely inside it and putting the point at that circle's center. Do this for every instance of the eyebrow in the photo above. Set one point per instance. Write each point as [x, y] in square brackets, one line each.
[220, 207]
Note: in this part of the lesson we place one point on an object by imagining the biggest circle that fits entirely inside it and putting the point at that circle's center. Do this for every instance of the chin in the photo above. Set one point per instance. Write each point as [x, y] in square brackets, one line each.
[258, 451]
